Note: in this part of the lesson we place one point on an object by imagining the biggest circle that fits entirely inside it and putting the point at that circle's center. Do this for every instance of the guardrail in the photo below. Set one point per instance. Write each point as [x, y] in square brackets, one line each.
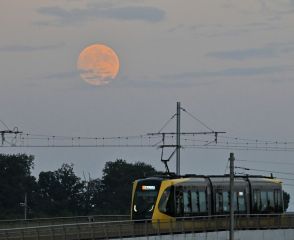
[122, 229]
[22, 223]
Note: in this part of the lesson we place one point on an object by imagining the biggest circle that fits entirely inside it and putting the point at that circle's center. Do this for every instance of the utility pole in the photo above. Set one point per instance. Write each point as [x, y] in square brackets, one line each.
[178, 144]
[232, 159]
[25, 206]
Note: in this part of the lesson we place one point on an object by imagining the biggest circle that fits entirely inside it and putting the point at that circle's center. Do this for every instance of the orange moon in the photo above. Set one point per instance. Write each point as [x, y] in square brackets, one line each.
[98, 64]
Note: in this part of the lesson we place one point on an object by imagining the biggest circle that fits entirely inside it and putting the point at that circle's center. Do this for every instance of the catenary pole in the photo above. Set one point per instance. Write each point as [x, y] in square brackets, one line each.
[178, 144]
[232, 159]
[25, 206]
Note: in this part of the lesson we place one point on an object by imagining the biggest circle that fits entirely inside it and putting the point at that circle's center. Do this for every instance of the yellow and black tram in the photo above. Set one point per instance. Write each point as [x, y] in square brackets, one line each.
[168, 197]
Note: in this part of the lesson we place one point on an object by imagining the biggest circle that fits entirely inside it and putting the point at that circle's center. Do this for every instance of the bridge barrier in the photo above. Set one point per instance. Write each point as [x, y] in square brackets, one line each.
[19, 223]
[129, 229]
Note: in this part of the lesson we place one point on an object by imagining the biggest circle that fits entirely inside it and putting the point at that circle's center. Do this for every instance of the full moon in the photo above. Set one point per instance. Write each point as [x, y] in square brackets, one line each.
[98, 64]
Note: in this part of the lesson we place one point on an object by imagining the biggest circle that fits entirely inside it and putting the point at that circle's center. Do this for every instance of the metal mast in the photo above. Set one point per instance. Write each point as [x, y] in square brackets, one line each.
[232, 159]
[178, 144]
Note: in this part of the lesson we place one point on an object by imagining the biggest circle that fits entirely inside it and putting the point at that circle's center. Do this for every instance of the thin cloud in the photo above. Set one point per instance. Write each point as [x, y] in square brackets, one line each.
[230, 72]
[244, 54]
[220, 30]
[269, 51]
[201, 78]
[27, 48]
[63, 75]
[130, 13]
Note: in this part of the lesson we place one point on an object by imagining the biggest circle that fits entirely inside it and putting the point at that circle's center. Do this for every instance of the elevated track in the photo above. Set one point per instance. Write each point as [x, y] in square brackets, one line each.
[129, 229]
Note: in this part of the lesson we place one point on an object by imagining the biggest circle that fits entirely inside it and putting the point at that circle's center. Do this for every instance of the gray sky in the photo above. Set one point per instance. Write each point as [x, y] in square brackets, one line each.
[230, 63]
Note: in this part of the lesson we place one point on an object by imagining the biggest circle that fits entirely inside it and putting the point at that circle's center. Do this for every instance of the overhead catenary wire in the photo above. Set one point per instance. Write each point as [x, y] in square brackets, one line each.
[288, 179]
[28, 140]
[247, 144]
[240, 148]
[267, 162]
[219, 145]
[287, 184]
[227, 166]
[233, 143]
[267, 171]
[257, 141]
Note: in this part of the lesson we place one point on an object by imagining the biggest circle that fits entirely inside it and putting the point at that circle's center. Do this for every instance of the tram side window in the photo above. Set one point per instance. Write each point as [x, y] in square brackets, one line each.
[263, 197]
[271, 201]
[195, 202]
[222, 202]
[218, 202]
[190, 202]
[202, 201]
[226, 207]
[278, 200]
[263, 201]
[241, 202]
[179, 201]
[187, 202]
[256, 201]
[166, 202]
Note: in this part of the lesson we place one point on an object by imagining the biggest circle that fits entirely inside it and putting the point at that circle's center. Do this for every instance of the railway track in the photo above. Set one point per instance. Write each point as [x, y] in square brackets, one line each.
[126, 228]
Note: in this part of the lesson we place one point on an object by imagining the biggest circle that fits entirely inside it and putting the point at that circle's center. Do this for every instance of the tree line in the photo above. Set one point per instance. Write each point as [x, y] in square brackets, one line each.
[62, 193]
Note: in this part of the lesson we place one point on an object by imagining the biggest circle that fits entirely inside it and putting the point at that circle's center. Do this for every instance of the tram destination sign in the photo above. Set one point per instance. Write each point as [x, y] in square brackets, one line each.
[148, 188]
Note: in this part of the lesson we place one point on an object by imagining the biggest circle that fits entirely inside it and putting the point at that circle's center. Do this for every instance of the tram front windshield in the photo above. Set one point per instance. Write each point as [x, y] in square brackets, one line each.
[144, 201]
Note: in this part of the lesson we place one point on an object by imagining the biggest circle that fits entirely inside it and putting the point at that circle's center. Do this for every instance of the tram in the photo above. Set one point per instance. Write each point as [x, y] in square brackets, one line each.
[166, 198]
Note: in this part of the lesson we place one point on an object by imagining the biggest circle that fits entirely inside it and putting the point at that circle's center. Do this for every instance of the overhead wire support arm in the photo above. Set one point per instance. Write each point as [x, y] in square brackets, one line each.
[215, 133]
[188, 133]
[4, 132]
[178, 135]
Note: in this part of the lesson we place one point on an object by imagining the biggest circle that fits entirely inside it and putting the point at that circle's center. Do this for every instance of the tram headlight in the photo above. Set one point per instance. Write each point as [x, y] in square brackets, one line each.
[150, 210]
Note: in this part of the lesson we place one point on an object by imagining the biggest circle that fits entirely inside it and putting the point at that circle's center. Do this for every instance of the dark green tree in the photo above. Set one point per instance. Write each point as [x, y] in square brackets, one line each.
[92, 197]
[117, 180]
[15, 182]
[61, 192]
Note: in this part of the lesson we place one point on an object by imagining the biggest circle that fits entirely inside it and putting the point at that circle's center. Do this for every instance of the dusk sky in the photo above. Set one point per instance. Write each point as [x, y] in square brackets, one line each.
[230, 63]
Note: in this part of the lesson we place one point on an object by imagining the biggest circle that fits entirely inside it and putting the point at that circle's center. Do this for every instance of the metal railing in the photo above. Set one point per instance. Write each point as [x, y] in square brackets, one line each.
[122, 229]
[34, 222]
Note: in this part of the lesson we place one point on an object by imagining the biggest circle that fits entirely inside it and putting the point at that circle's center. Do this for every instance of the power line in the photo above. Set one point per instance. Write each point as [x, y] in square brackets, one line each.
[267, 162]
[167, 122]
[257, 141]
[227, 166]
[20, 139]
[240, 148]
[247, 144]
[197, 119]
[288, 179]
[7, 128]
[287, 184]
[82, 146]
[260, 170]
[35, 140]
